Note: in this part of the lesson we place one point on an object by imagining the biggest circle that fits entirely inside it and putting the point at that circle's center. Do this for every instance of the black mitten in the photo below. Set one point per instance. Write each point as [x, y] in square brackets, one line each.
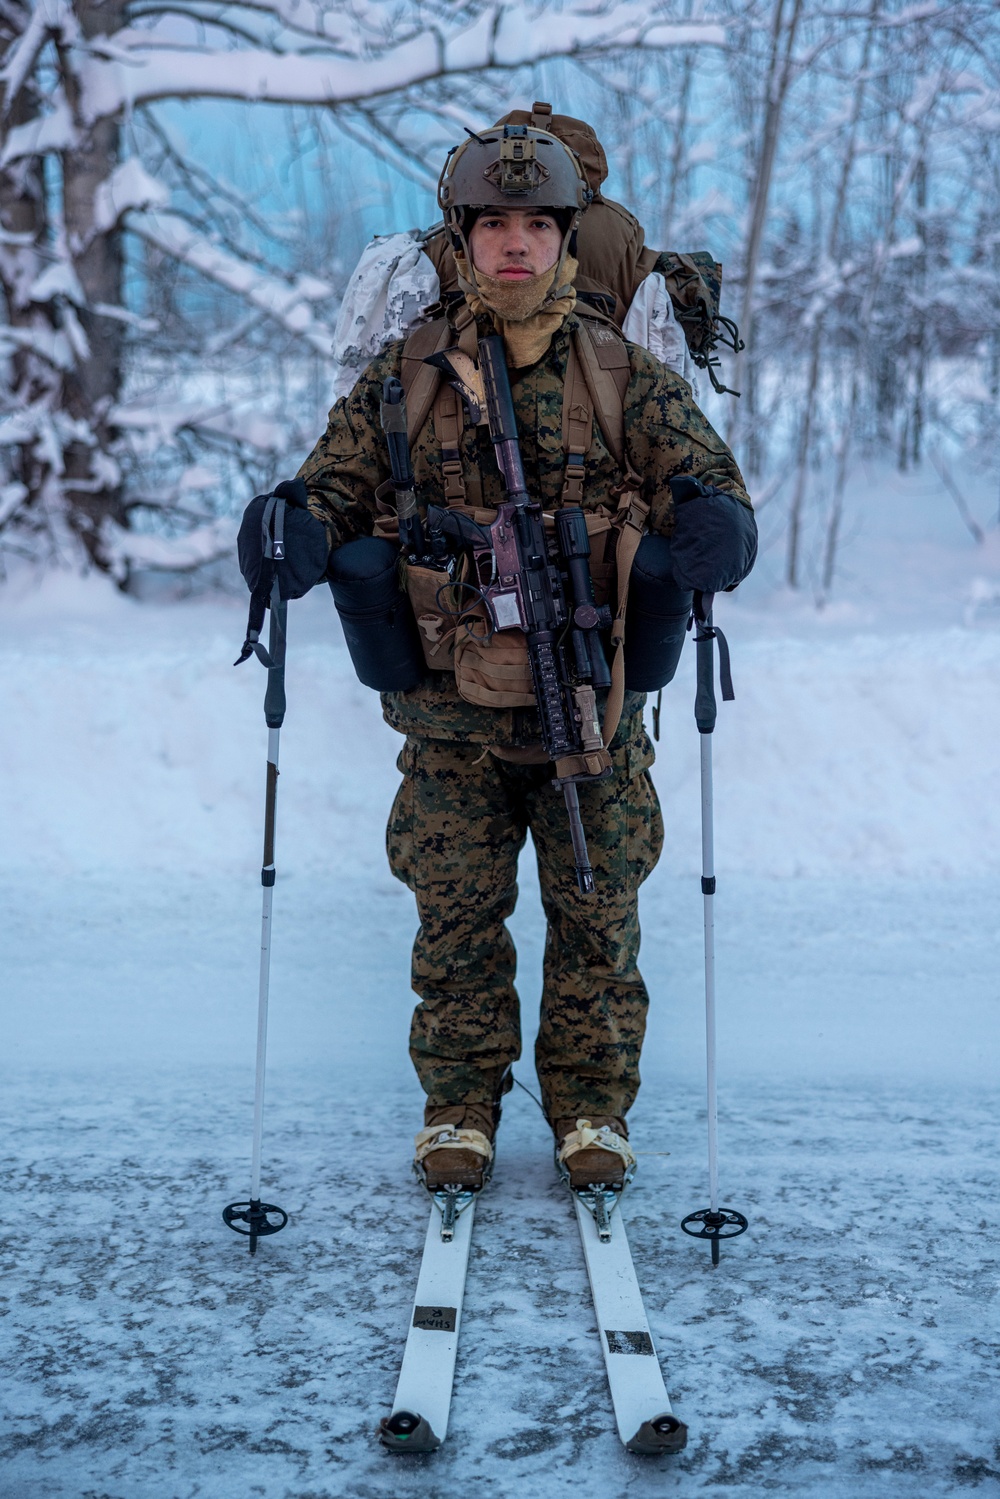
[714, 544]
[283, 552]
[302, 551]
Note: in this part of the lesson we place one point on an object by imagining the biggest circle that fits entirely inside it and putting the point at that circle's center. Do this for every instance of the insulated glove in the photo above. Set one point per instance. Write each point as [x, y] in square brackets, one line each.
[283, 551]
[303, 544]
[714, 543]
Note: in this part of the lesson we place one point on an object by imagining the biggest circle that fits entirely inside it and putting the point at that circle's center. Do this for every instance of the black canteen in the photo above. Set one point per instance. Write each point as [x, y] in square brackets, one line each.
[656, 621]
[378, 621]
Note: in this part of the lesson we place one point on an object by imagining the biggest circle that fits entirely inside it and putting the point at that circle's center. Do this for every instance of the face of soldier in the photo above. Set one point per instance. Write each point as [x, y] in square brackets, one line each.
[512, 244]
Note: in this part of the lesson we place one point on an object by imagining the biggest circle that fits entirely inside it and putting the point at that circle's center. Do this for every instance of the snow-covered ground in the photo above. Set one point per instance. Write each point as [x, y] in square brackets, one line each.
[847, 1345]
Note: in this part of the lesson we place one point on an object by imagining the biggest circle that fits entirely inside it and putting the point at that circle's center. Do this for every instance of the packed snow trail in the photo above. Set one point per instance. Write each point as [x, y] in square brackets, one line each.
[840, 1349]
[843, 1348]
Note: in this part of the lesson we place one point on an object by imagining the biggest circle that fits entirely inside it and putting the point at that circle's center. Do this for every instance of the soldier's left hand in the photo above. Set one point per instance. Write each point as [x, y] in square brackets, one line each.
[714, 544]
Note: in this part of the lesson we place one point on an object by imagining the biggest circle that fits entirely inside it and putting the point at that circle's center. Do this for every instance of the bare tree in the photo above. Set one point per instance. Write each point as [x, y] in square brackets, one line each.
[826, 287]
[74, 189]
[167, 341]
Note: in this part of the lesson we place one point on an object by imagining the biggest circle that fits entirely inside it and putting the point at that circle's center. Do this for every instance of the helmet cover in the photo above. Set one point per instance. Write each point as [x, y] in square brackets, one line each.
[513, 167]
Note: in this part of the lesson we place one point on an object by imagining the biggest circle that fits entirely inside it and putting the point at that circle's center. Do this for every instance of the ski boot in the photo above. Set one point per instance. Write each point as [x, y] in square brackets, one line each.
[455, 1148]
[454, 1156]
[596, 1162]
[594, 1152]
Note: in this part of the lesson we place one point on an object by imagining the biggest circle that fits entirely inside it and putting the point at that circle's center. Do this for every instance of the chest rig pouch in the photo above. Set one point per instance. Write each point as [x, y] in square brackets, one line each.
[491, 664]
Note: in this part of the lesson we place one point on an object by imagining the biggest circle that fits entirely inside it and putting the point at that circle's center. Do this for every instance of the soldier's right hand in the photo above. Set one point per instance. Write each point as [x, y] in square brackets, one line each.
[304, 542]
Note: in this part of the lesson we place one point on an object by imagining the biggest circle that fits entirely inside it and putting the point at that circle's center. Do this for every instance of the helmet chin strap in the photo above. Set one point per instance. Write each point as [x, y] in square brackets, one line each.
[564, 253]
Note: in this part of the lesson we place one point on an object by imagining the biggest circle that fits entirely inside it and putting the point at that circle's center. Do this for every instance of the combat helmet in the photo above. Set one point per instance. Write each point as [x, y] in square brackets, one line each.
[512, 166]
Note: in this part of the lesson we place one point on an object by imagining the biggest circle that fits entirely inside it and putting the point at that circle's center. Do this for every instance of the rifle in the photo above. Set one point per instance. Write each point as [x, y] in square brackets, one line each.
[522, 589]
[411, 530]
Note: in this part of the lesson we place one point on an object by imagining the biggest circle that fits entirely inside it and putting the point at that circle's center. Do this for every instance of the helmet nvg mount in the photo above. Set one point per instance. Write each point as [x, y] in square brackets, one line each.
[512, 166]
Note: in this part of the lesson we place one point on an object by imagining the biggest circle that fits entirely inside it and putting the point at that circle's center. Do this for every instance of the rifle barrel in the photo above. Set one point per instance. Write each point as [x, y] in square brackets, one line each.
[500, 414]
[581, 858]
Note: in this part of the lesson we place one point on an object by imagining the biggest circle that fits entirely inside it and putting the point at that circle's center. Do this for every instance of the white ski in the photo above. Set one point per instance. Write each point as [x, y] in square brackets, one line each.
[646, 1423]
[419, 1418]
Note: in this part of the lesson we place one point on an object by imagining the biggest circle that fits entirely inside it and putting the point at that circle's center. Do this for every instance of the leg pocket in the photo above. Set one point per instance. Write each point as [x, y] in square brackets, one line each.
[399, 833]
[644, 820]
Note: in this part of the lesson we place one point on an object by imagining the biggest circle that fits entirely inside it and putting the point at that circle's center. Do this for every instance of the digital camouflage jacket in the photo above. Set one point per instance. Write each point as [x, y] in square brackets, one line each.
[665, 434]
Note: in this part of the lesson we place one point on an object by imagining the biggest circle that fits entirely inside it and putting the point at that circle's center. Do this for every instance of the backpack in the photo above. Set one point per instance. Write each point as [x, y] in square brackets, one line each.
[613, 256]
[404, 279]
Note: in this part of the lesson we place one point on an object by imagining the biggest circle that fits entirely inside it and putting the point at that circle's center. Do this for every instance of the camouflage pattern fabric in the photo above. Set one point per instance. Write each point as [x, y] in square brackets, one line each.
[458, 823]
[665, 434]
[463, 813]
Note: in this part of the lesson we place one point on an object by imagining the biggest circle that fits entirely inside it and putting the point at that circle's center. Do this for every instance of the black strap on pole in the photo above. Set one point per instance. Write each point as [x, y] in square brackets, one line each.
[705, 632]
[274, 697]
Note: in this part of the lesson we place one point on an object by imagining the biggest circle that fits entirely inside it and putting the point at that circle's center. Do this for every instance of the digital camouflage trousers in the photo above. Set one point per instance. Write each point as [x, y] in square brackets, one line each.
[459, 821]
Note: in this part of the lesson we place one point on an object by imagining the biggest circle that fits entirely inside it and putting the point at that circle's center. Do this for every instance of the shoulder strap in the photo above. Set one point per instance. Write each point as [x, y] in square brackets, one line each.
[426, 392]
[633, 513]
[577, 428]
[597, 376]
[448, 422]
[420, 381]
[604, 362]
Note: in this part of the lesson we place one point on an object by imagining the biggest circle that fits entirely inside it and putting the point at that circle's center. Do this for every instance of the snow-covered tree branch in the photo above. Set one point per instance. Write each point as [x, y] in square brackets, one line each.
[79, 202]
[184, 187]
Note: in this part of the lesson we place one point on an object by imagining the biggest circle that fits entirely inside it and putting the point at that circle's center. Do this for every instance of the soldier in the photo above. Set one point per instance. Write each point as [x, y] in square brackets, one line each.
[475, 779]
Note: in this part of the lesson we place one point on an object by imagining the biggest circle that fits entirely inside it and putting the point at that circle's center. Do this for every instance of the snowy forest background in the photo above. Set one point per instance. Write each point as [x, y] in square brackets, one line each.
[185, 186]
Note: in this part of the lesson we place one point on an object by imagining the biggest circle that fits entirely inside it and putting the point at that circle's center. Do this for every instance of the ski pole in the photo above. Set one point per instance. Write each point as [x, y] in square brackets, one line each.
[713, 1223]
[264, 1218]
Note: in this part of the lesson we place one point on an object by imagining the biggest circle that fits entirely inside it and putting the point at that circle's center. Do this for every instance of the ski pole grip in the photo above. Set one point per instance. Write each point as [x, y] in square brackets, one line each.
[705, 707]
[274, 697]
